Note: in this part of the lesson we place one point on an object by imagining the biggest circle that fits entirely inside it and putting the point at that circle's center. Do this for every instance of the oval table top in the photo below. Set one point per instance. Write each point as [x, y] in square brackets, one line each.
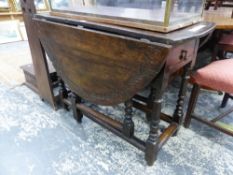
[221, 17]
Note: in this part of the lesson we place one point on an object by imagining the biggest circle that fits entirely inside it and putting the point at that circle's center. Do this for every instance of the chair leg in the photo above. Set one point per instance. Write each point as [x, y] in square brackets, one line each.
[215, 53]
[191, 105]
[225, 100]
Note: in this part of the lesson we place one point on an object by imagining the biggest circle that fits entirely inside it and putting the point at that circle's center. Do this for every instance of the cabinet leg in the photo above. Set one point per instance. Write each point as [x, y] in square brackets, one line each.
[128, 125]
[76, 112]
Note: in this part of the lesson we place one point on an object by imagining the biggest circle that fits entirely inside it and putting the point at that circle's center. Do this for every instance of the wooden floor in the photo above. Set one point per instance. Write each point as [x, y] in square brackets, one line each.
[12, 57]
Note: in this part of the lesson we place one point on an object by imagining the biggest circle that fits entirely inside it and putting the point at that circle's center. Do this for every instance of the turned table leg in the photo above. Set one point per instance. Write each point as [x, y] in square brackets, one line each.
[128, 125]
[178, 114]
[151, 143]
[62, 94]
[76, 112]
[156, 104]
[150, 103]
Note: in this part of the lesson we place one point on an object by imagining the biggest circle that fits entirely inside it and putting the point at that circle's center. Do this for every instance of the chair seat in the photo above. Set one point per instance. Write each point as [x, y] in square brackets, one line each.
[218, 75]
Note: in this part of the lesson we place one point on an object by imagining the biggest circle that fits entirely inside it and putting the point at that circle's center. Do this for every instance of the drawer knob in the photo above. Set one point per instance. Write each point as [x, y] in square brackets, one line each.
[183, 55]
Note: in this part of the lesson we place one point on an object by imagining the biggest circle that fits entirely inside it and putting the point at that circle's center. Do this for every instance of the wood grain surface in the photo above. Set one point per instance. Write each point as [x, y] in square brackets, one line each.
[101, 68]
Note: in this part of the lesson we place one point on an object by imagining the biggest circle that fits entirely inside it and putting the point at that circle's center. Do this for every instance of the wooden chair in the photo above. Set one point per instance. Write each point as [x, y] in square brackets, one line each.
[224, 46]
[217, 76]
[210, 77]
[225, 99]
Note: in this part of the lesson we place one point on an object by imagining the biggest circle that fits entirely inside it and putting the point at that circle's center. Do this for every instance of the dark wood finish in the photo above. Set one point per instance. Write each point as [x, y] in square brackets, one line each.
[125, 130]
[110, 124]
[221, 116]
[117, 68]
[76, 112]
[128, 126]
[63, 94]
[30, 77]
[213, 125]
[107, 65]
[179, 111]
[148, 110]
[172, 38]
[141, 106]
[181, 55]
[224, 46]
[44, 84]
[191, 114]
[156, 97]
[120, 77]
[192, 104]
[167, 133]
[178, 114]
[150, 104]
[225, 99]
[141, 98]
[118, 127]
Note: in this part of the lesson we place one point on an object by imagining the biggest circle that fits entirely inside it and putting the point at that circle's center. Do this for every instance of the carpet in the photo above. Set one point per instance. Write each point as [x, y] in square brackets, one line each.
[36, 140]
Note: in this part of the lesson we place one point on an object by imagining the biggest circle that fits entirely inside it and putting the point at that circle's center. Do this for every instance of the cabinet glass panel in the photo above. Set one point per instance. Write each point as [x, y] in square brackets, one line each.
[185, 10]
[157, 15]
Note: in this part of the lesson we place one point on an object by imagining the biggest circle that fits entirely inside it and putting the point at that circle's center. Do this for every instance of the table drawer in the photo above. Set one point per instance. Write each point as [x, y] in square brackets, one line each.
[180, 55]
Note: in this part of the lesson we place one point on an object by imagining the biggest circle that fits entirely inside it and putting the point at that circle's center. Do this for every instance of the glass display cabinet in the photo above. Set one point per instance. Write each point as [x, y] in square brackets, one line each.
[155, 15]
